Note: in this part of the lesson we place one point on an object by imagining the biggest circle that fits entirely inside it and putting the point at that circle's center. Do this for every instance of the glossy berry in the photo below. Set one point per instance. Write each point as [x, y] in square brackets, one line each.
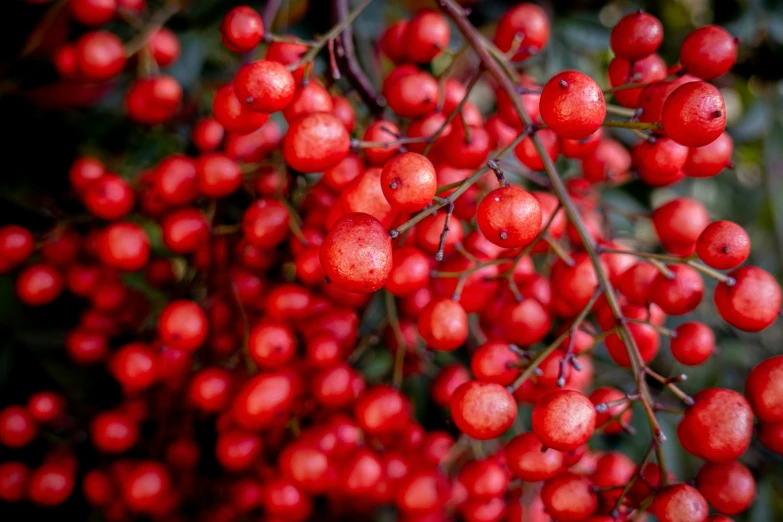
[525, 28]
[530, 461]
[693, 343]
[718, 427]
[233, 114]
[183, 325]
[266, 223]
[93, 12]
[39, 284]
[265, 86]
[411, 93]
[621, 412]
[242, 29]
[728, 487]
[679, 503]
[100, 55]
[646, 70]
[410, 271]
[563, 419]
[708, 52]
[315, 143]
[443, 324]
[694, 114]
[124, 246]
[263, 399]
[709, 160]
[569, 497]
[636, 35]
[51, 484]
[357, 253]
[382, 410]
[218, 175]
[17, 244]
[679, 223]
[764, 389]
[17, 427]
[482, 410]
[723, 245]
[13, 481]
[426, 35]
[509, 217]
[46, 407]
[109, 198]
[679, 294]
[572, 105]
[409, 182]
[146, 487]
[752, 303]
[113, 432]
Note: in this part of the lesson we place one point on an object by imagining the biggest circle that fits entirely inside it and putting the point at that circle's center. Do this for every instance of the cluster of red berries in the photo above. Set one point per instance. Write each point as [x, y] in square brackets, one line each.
[273, 243]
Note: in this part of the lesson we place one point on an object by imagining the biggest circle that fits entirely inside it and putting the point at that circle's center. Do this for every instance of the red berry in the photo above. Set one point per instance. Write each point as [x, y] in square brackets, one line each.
[572, 105]
[563, 419]
[524, 27]
[109, 198]
[679, 503]
[645, 70]
[728, 487]
[265, 86]
[237, 450]
[636, 35]
[764, 389]
[135, 367]
[357, 253]
[426, 35]
[146, 487]
[17, 427]
[411, 93]
[723, 245]
[679, 294]
[410, 271]
[234, 115]
[622, 412]
[13, 481]
[209, 389]
[382, 410]
[183, 325]
[315, 142]
[93, 12]
[393, 41]
[38, 284]
[271, 345]
[207, 134]
[165, 47]
[242, 29]
[124, 246]
[482, 410]
[113, 432]
[509, 217]
[265, 223]
[529, 460]
[46, 407]
[752, 303]
[679, 223]
[708, 52]
[17, 244]
[694, 114]
[569, 497]
[263, 399]
[51, 484]
[100, 55]
[218, 175]
[443, 324]
[709, 160]
[409, 182]
[693, 344]
[718, 427]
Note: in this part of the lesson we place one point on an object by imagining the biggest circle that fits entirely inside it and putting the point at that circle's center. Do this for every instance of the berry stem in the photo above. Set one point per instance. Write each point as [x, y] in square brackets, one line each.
[457, 110]
[139, 42]
[638, 125]
[444, 232]
[620, 111]
[394, 323]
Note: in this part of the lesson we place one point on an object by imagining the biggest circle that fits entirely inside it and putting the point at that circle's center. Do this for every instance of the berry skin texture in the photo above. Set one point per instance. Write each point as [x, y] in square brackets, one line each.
[242, 29]
[723, 245]
[234, 115]
[764, 389]
[694, 114]
[409, 182]
[572, 105]
[525, 20]
[679, 503]
[356, 254]
[680, 294]
[708, 52]
[263, 399]
[694, 343]
[509, 217]
[718, 427]
[646, 70]
[183, 325]
[443, 324]
[528, 460]
[569, 497]
[265, 86]
[426, 35]
[315, 143]
[709, 160]
[564, 419]
[729, 487]
[679, 223]
[752, 303]
[482, 410]
[636, 35]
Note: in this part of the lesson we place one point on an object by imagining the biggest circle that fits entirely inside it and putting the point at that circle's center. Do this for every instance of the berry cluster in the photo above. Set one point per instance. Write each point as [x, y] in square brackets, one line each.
[264, 257]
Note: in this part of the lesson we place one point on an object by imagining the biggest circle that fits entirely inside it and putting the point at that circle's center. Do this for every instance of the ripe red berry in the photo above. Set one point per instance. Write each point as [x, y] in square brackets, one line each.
[218, 175]
[393, 41]
[266, 223]
[17, 244]
[728, 487]
[708, 52]
[495, 362]
[723, 245]
[770, 435]
[165, 47]
[564, 419]
[694, 114]
[679, 223]
[209, 389]
[146, 487]
[409, 182]
[525, 28]
[718, 427]
[93, 12]
[237, 450]
[752, 303]
[46, 407]
[709, 160]
[207, 134]
[622, 412]
[443, 324]
[569, 497]
[411, 93]
[234, 115]
[183, 325]
[509, 217]
[426, 35]
[263, 399]
[679, 503]
[679, 294]
[113, 432]
[527, 153]
[315, 142]
[636, 35]
[271, 345]
[17, 427]
[645, 70]
[482, 410]
[265, 86]
[242, 29]
[448, 380]
[764, 389]
[357, 253]
[529, 460]
[51, 484]
[13, 481]
[124, 246]
[38, 284]
[659, 159]
[135, 366]
[100, 55]
[572, 105]
[693, 343]
[410, 271]
[382, 410]
[110, 197]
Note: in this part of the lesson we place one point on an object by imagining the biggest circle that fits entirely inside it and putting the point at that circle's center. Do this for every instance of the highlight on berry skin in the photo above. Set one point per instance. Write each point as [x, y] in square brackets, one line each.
[480, 261]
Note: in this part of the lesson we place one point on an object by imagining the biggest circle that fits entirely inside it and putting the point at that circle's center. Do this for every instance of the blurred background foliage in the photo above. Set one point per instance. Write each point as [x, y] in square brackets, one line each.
[46, 126]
